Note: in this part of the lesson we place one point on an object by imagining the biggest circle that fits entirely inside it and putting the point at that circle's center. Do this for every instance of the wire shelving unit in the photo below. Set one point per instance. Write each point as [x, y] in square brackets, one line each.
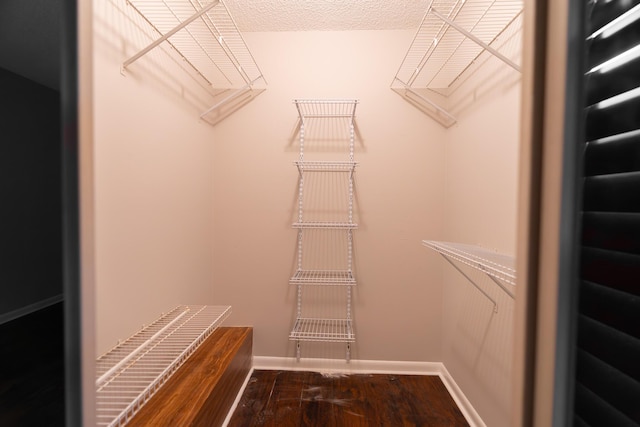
[323, 330]
[450, 39]
[498, 267]
[128, 375]
[329, 328]
[206, 38]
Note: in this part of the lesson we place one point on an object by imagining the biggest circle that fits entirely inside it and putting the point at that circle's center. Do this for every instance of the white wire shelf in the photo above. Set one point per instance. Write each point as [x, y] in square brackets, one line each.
[498, 267]
[326, 108]
[323, 277]
[130, 373]
[204, 34]
[326, 225]
[322, 330]
[451, 37]
[326, 166]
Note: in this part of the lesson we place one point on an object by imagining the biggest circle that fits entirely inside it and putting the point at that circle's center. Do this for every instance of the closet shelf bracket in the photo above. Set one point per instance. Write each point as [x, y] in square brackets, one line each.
[205, 37]
[497, 267]
[452, 42]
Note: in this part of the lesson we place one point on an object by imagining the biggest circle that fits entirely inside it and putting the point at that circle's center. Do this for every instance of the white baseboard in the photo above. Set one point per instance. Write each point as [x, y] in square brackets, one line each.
[237, 399]
[469, 412]
[343, 367]
[335, 366]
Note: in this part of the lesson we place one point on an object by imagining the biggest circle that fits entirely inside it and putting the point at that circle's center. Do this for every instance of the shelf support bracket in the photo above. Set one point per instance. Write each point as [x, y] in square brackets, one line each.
[473, 38]
[466, 276]
[421, 98]
[504, 288]
[180, 26]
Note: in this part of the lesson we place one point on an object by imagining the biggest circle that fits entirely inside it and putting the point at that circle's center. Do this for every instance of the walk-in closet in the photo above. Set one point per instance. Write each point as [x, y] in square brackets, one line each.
[336, 213]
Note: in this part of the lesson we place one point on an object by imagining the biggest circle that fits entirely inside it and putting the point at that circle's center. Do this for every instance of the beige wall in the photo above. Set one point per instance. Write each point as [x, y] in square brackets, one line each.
[481, 209]
[190, 213]
[153, 189]
[399, 194]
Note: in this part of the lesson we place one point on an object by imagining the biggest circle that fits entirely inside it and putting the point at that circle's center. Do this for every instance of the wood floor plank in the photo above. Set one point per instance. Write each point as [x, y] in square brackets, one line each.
[293, 398]
[202, 391]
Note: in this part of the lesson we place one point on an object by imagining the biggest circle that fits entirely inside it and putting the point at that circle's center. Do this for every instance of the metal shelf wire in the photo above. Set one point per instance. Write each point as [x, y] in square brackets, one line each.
[324, 330]
[451, 37]
[323, 277]
[315, 267]
[325, 166]
[326, 108]
[130, 373]
[204, 34]
[498, 267]
[326, 225]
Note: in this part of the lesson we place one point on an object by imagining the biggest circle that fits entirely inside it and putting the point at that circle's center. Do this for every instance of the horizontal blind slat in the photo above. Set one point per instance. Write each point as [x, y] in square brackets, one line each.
[603, 85]
[613, 155]
[615, 388]
[617, 349]
[613, 120]
[606, 11]
[602, 49]
[616, 270]
[611, 307]
[612, 193]
[596, 412]
[613, 231]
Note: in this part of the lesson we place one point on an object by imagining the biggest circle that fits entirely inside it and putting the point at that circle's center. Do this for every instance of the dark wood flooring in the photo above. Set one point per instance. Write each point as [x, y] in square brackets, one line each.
[291, 398]
[203, 390]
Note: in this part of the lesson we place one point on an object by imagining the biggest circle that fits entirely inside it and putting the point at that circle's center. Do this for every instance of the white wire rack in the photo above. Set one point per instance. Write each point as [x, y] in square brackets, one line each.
[332, 264]
[324, 330]
[331, 225]
[320, 166]
[204, 34]
[498, 267]
[326, 108]
[129, 374]
[323, 277]
[451, 37]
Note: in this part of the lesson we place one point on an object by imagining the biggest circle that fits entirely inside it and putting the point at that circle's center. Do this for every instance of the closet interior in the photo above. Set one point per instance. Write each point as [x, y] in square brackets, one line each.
[197, 202]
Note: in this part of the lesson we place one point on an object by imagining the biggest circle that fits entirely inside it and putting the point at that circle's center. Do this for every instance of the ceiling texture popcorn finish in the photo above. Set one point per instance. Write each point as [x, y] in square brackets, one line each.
[326, 15]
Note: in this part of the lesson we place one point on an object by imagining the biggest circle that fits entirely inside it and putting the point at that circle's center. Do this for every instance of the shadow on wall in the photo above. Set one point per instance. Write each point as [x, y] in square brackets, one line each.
[121, 32]
[482, 337]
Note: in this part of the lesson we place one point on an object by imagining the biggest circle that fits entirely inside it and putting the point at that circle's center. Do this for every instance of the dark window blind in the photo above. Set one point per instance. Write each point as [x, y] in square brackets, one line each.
[607, 387]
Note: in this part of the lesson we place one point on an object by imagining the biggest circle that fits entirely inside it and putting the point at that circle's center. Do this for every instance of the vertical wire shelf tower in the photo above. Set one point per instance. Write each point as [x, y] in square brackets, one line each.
[325, 220]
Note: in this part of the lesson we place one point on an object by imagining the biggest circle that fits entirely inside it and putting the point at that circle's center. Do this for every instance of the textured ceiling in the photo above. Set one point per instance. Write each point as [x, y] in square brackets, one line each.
[326, 15]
